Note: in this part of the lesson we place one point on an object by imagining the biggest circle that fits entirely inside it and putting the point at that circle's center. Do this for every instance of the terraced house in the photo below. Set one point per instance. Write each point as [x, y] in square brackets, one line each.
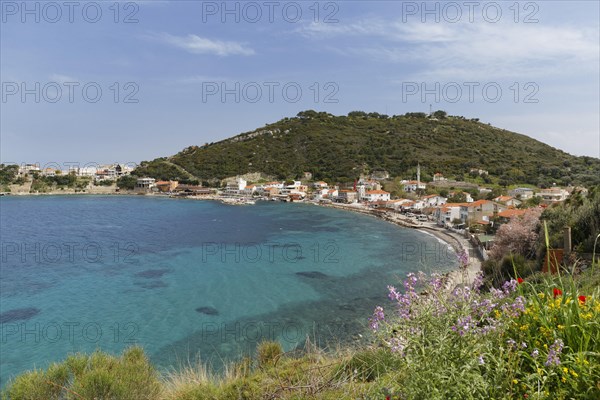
[480, 211]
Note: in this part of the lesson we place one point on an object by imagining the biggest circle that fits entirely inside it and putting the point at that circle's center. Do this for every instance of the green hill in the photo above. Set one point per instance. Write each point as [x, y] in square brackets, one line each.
[340, 148]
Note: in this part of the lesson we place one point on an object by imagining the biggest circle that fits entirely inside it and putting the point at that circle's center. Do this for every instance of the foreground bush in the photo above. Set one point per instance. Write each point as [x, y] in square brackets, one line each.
[523, 341]
[95, 376]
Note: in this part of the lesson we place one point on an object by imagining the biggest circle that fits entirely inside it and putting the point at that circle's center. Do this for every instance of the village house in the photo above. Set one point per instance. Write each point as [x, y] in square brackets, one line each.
[480, 211]
[324, 193]
[434, 200]
[193, 190]
[553, 195]
[270, 192]
[278, 185]
[250, 190]
[320, 185]
[521, 193]
[413, 186]
[446, 214]
[50, 172]
[377, 195]
[166, 186]
[438, 177]
[29, 169]
[145, 183]
[468, 197]
[507, 215]
[508, 200]
[235, 188]
[347, 196]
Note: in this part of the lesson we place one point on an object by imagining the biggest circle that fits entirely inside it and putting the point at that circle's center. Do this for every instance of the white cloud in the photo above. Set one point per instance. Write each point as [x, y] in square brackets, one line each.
[468, 49]
[198, 45]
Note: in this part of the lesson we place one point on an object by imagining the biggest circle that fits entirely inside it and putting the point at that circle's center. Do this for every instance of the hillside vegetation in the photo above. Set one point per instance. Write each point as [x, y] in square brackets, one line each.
[340, 148]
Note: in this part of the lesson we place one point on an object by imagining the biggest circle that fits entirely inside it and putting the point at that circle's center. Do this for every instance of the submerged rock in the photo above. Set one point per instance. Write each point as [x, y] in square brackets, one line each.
[152, 273]
[152, 284]
[19, 314]
[207, 310]
[312, 274]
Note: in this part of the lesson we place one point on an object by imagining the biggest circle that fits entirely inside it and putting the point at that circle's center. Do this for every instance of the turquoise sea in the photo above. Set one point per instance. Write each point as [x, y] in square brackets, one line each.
[188, 279]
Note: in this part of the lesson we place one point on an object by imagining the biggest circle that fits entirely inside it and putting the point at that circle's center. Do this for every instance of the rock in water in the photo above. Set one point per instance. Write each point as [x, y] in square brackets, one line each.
[207, 310]
[312, 274]
[152, 273]
[19, 314]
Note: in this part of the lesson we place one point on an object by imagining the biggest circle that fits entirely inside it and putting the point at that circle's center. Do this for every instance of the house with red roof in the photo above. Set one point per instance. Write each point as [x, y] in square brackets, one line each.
[508, 200]
[480, 211]
[377, 195]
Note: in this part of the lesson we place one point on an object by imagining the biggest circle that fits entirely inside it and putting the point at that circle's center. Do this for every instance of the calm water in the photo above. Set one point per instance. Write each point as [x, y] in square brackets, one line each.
[186, 278]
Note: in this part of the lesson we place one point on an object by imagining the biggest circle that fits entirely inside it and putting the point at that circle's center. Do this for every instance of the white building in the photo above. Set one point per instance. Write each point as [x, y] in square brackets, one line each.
[236, 188]
[413, 186]
[434, 200]
[553, 195]
[145, 183]
[521, 193]
[446, 214]
[377, 195]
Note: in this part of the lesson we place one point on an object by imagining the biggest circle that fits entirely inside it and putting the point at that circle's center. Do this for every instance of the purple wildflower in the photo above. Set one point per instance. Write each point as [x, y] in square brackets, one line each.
[554, 353]
[499, 294]
[511, 343]
[437, 282]
[478, 282]
[463, 258]
[396, 346]
[410, 282]
[463, 326]
[393, 293]
[535, 353]
[481, 360]
[510, 286]
[378, 316]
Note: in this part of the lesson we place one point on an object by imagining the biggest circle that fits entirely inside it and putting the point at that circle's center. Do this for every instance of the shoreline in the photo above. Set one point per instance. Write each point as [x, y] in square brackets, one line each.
[455, 277]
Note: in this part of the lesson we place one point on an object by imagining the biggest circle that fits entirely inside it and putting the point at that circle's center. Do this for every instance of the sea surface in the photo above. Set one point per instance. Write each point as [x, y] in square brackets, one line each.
[191, 279]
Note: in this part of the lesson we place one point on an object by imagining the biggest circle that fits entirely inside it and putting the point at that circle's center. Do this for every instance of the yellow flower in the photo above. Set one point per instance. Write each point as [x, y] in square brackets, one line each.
[574, 373]
[563, 379]
[587, 315]
[515, 381]
[565, 370]
[541, 295]
[561, 327]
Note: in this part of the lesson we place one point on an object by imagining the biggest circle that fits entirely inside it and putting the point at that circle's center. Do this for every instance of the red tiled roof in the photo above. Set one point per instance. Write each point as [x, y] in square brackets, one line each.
[377, 192]
[511, 213]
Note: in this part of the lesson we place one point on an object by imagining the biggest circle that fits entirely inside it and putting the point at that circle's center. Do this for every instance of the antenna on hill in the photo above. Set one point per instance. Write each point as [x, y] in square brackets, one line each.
[430, 110]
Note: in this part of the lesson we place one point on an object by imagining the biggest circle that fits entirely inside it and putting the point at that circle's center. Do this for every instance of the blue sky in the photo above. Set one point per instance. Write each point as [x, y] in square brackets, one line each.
[180, 73]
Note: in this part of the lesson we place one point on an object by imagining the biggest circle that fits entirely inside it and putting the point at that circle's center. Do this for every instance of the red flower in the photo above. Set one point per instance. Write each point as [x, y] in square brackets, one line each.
[520, 280]
[582, 299]
[556, 292]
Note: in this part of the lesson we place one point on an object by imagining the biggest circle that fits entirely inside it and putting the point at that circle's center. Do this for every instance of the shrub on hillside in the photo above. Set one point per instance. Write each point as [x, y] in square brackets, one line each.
[521, 341]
